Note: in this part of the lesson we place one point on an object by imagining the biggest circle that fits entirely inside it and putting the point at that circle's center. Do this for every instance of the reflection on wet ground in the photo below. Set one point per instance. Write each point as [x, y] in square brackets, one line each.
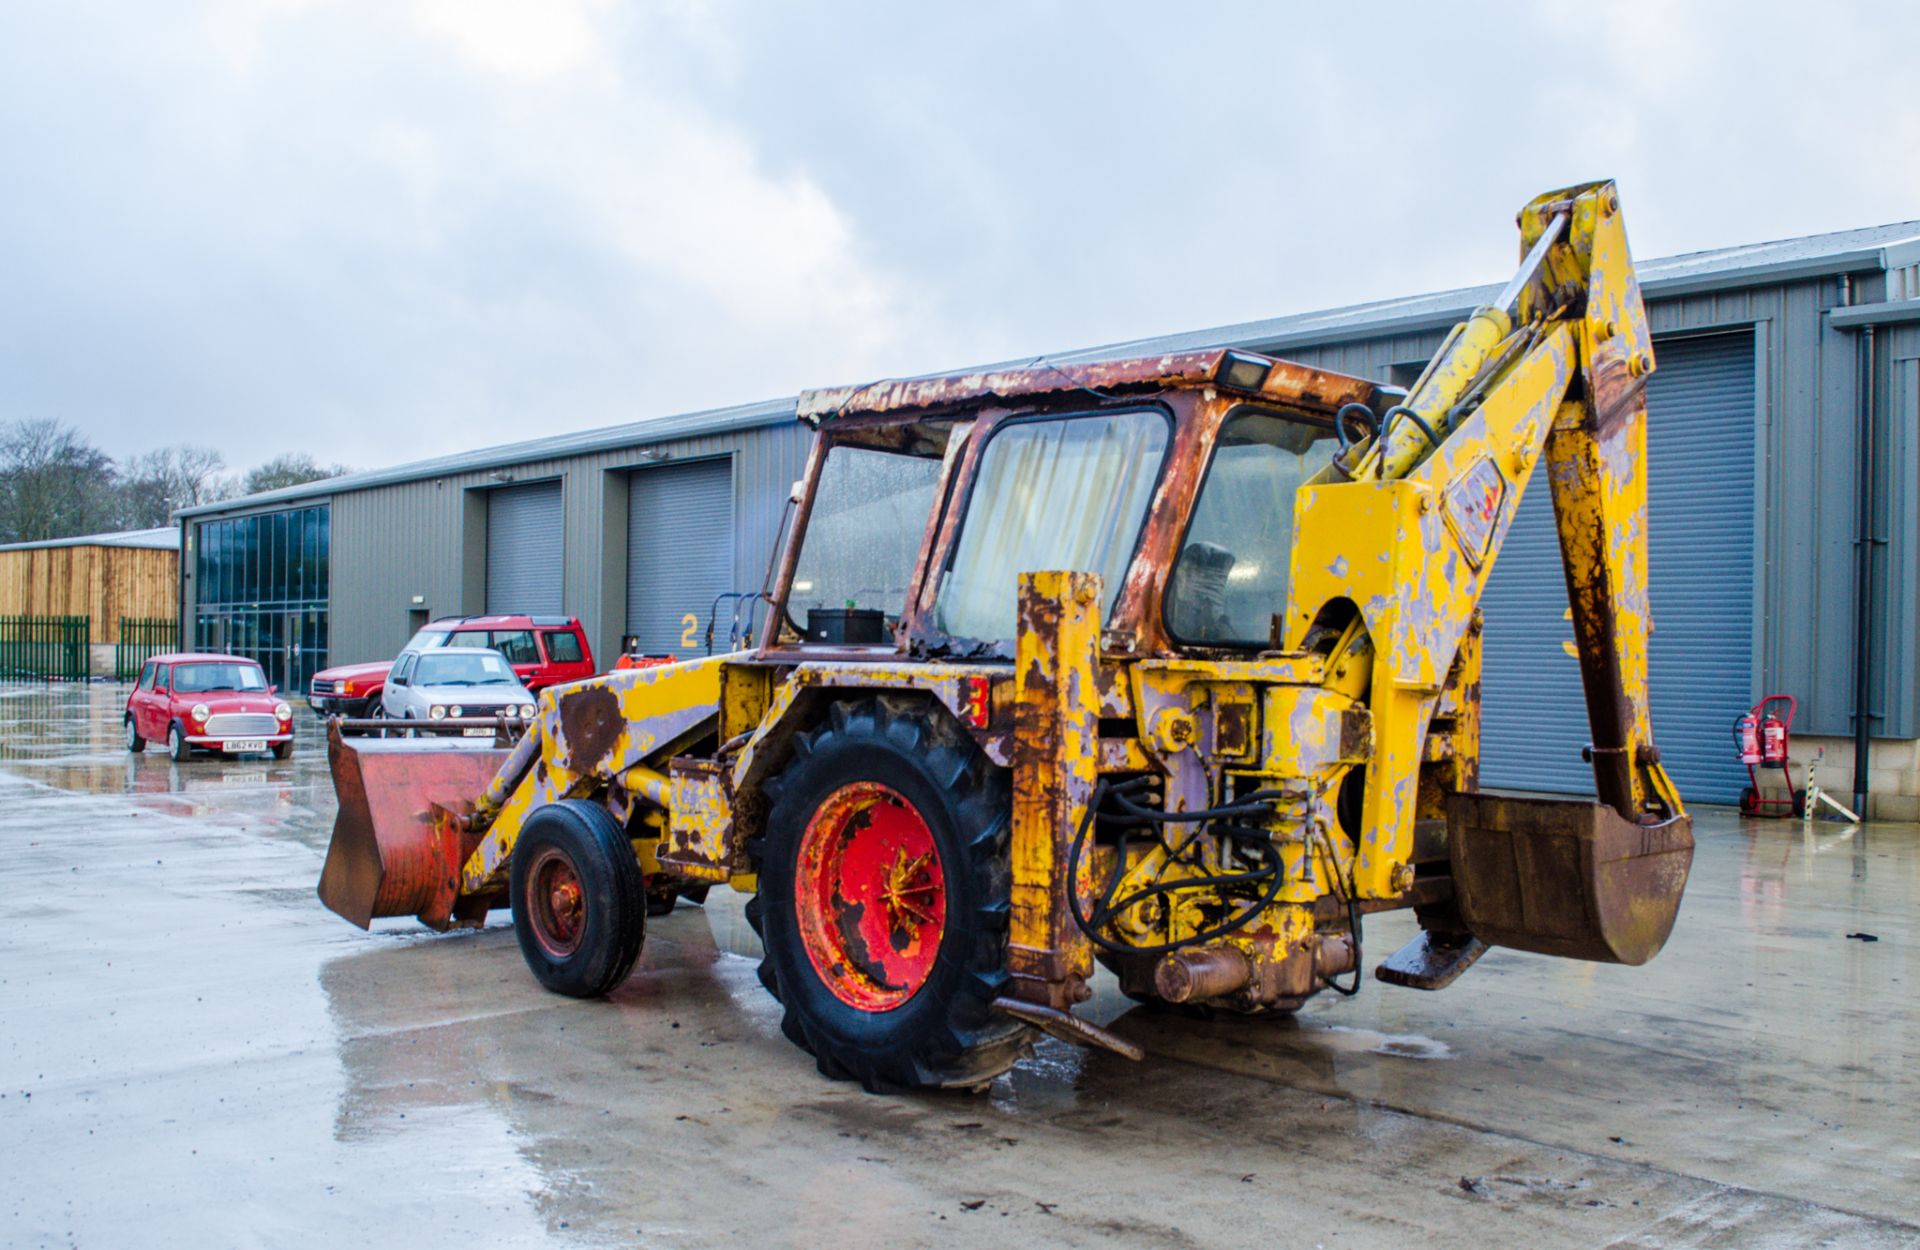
[192, 1050]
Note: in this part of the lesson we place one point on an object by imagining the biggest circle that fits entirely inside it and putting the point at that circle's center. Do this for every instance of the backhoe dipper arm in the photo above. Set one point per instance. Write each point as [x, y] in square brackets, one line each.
[1575, 289]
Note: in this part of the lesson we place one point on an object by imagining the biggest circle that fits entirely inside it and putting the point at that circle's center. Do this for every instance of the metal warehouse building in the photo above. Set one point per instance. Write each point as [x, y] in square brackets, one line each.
[1784, 444]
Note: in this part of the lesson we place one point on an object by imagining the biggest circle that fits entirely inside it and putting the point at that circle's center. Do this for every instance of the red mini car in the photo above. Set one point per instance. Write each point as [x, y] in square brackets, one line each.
[543, 650]
[210, 703]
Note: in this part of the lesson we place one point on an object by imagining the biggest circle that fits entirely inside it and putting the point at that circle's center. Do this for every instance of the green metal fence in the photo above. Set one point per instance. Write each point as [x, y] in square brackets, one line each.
[142, 638]
[44, 648]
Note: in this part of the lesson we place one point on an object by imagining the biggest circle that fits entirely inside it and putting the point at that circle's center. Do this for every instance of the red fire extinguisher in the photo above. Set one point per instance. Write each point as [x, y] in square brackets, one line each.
[1761, 737]
[1773, 740]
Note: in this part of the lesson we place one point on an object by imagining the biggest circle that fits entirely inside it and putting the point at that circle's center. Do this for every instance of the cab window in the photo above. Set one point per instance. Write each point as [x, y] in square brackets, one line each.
[563, 647]
[1231, 574]
[1062, 493]
[863, 533]
[146, 675]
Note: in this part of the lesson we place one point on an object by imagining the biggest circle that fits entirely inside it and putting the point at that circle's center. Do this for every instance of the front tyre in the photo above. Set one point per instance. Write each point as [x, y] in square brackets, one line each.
[882, 903]
[135, 743]
[579, 899]
[178, 748]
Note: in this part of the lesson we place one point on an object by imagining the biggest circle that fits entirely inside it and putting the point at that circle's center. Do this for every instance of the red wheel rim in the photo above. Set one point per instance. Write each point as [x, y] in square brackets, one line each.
[556, 903]
[871, 896]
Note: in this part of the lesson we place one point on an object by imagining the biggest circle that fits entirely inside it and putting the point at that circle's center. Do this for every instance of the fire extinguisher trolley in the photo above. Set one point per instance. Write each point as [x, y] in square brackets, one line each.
[1761, 736]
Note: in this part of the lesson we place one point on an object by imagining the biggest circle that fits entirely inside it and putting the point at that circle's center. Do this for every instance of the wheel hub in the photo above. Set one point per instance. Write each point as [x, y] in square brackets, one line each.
[870, 896]
[558, 911]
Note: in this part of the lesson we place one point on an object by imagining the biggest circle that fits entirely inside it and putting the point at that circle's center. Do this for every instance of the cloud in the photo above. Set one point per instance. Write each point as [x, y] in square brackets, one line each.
[377, 234]
[378, 231]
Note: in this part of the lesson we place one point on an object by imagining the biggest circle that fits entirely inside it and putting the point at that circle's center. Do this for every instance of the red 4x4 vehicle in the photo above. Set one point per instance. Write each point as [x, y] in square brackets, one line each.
[543, 650]
[210, 702]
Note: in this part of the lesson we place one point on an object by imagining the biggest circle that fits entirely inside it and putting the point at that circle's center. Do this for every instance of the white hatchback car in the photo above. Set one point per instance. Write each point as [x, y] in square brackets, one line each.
[454, 682]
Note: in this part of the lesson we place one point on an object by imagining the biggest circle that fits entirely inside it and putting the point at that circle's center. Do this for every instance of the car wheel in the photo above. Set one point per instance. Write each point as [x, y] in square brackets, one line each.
[283, 750]
[177, 748]
[135, 743]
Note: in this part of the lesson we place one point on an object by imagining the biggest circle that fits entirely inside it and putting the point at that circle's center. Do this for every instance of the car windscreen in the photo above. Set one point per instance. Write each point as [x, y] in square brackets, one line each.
[205, 678]
[428, 638]
[463, 669]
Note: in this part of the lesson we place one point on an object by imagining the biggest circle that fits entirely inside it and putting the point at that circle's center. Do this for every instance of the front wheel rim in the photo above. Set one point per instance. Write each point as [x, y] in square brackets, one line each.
[870, 896]
[556, 903]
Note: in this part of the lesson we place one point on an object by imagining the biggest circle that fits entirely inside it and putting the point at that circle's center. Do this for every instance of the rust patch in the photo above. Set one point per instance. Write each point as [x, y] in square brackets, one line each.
[590, 723]
[1233, 728]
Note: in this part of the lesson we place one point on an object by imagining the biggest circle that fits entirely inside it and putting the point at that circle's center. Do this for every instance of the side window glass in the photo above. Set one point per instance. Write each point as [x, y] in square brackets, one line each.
[1231, 574]
[563, 647]
[402, 670]
[469, 638]
[516, 645]
[146, 676]
[162, 677]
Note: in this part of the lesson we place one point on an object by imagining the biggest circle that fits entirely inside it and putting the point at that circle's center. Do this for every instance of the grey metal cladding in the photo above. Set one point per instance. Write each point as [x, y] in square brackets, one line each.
[680, 555]
[526, 546]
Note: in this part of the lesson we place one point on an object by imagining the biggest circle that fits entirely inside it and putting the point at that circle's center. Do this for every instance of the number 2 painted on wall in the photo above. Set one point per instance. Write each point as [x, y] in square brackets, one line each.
[689, 627]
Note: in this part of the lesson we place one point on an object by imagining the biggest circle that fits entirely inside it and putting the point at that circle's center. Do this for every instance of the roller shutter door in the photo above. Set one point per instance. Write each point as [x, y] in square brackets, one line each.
[524, 557]
[1700, 440]
[679, 555]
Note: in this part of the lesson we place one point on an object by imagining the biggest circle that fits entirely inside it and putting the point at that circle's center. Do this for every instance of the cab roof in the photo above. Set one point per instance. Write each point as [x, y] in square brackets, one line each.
[210, 657]
[1280, 381]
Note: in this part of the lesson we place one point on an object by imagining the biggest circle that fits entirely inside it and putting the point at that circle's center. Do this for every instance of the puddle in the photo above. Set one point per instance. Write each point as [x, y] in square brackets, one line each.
[1367, 1041]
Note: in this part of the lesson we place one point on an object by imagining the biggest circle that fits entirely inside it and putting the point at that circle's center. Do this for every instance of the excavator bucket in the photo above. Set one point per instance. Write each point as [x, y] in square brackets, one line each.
[1565, 877]
[395, 850]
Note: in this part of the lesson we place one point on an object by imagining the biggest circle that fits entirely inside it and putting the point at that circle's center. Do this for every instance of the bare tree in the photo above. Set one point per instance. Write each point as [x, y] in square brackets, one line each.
[293, 468]
[154, 485]
[53, 482]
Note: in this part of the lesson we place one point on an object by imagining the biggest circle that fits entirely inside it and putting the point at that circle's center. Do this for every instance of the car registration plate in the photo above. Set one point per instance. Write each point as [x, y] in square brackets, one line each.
[244, 744]
[477, 733]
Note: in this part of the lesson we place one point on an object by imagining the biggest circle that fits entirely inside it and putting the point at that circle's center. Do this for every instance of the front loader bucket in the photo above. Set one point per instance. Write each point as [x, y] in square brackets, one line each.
[1567, 878]
[393, 853]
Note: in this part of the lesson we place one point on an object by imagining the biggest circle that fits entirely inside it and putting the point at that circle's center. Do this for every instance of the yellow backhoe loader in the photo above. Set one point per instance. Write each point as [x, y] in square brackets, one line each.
[1171, 664]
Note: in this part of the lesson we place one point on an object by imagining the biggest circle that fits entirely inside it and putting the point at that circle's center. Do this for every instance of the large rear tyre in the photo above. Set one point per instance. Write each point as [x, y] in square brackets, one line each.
[135, 743]
[579, 899]
[883, 896]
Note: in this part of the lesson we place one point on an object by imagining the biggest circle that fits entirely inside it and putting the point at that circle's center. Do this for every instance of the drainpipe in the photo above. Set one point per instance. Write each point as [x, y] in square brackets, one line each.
[1863, 545]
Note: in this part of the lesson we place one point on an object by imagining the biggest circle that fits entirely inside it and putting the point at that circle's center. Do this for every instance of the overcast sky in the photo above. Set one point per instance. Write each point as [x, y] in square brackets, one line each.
[378, 230]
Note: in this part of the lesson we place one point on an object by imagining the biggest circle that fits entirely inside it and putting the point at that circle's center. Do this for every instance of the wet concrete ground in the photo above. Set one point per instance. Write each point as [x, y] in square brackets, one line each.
[193, 1052]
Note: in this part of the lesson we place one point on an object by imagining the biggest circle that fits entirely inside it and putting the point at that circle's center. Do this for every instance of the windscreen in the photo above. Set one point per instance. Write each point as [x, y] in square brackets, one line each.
[449, 668]
[205, 678]
[1065, 493]
[863, 534]
[1231, 576]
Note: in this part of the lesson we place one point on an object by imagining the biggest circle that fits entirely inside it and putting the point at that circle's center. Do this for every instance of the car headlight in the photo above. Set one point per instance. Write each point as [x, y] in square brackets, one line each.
[282, 711]
[526, 711]
[346, 687]
[455, 710]
[200, 711]
[437, 712]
